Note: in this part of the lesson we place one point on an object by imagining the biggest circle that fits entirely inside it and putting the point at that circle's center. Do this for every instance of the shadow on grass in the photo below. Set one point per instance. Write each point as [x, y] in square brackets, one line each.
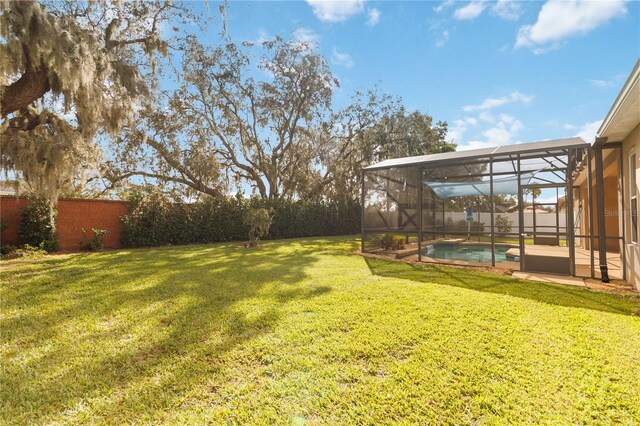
[165, 309]
[555, 294]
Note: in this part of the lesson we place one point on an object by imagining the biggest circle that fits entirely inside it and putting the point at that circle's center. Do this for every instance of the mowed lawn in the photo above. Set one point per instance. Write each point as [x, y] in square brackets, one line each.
[305, 332]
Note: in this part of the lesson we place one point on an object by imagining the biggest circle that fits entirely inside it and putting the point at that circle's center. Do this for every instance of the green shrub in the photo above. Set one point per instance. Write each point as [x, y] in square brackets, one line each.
[309, 218]
[144, 224]
[153, 220]
[95, 242]
[178, 225]
[219, 219]
[6, 250]
[503, 224]
[37, 225]
[389, 242]
[259, 221]
[27, 251]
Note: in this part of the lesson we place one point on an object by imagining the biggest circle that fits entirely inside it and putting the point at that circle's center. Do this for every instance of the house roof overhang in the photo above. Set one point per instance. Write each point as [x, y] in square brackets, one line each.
[624, 114]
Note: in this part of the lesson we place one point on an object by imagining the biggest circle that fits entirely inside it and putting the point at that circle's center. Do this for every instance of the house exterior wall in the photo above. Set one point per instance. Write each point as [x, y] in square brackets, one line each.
[612, 207]
[611, 213]
[582, 226]
[631, 145]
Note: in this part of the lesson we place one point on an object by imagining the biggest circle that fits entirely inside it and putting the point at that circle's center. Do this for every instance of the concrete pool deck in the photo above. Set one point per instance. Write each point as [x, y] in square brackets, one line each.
[615, 286]
[549, 278]
[582, 259]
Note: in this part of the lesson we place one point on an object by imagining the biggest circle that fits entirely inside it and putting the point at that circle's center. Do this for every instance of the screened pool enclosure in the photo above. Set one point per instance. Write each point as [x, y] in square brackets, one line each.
[529, 207]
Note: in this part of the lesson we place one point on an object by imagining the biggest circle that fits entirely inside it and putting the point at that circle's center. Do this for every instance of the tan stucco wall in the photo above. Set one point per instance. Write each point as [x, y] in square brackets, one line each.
[584, 228]
[631, 145]
[612, 196]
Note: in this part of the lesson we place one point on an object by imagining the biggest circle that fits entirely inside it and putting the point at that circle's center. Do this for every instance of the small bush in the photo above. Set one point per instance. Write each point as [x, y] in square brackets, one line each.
[7, 250]
[27, 252]
[94, 243]
[503, 224]
[259, 221]
[37, 225]
[389, 242]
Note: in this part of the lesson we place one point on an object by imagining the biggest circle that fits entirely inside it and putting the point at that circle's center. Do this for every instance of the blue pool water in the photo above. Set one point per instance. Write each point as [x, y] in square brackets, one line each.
[468, 252]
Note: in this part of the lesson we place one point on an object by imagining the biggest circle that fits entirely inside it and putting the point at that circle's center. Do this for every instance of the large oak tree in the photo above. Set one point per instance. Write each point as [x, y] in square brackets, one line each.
[264, 116]
[69, 70]
[245, 114]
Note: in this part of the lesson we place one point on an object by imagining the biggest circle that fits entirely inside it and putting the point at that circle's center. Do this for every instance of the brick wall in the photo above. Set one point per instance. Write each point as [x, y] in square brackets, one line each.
[73, 215]
[10, 208]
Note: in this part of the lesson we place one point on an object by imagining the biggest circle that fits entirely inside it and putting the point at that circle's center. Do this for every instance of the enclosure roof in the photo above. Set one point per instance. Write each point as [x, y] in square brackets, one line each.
[530, 147]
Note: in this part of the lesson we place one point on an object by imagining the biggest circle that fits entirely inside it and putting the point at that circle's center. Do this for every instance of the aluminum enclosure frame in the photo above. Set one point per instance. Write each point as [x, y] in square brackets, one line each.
[564, 157]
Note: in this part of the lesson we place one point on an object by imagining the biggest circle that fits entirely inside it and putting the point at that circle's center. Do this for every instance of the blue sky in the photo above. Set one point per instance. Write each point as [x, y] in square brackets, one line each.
[498, 72]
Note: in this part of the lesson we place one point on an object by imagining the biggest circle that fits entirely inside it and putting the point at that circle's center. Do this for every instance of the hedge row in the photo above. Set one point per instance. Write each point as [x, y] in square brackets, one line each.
[154, 221]
[36, 225]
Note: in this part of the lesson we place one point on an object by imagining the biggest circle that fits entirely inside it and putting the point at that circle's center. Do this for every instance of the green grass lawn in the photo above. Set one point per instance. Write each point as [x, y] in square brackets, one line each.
[305, 332]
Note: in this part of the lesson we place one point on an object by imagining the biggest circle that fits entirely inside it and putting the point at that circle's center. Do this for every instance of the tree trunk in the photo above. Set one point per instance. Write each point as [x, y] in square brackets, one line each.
[30, 87]
[33, 84]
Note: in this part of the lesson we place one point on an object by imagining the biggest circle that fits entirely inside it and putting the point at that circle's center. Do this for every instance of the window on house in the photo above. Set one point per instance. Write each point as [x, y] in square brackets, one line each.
[633, 198]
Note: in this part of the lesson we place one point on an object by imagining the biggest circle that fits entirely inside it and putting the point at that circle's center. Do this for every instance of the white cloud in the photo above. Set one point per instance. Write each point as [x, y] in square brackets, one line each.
[601, 84]
[442, 6]
[569, 126]
[336, 11]
[504, 131]
[491, 103]
[443, 39]
[496, 136]
[307, 37]
[475, 144]
[588, 131]
[486, 127]
[470, 11]
[559, 19]
[507, 9]
[514, 124]
[374, 17]
[486, 117]
[459, 128]
[457, 131]
[500, 131]
[342, 58]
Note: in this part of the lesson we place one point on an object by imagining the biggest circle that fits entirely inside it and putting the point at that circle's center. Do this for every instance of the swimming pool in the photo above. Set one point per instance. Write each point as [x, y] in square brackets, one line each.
[468, 252]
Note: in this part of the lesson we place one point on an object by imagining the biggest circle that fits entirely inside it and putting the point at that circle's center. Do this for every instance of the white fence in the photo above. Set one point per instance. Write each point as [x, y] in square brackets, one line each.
[545, 221]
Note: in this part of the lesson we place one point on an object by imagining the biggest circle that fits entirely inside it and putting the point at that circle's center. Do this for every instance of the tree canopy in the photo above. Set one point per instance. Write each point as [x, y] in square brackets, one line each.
[80, 76]
[264, 116]
[69, 70]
